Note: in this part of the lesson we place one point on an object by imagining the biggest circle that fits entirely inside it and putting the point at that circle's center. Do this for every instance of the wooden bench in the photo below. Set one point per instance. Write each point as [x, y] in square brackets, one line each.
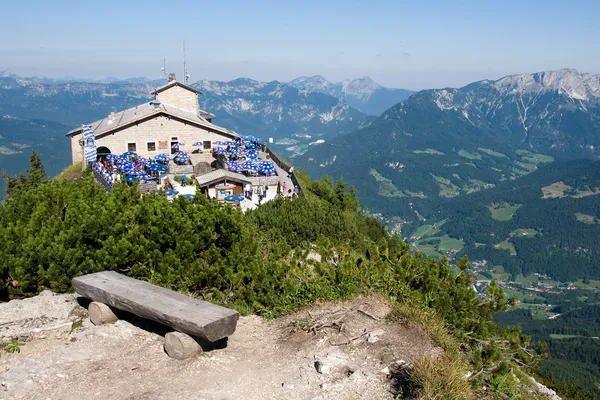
[185, 314]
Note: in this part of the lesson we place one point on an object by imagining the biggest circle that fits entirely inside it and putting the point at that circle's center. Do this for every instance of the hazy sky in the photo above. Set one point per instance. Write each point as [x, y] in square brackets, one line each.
[412, 44]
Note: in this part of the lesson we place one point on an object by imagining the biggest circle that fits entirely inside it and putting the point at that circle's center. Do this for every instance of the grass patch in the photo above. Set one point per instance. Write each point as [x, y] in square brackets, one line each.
[587, 219]
[519, 171]
[470, 156]
[430, 151]
[526, 166]
[537, 158]
[447, 188]
[71, 172]
[526, 279]
[506, 245]
[555, 190]
[448, 243]
[385, 186]
[503, 211]
[428, 230]
[524, 233]
[432, 377]
[492, 152]
[561, 336]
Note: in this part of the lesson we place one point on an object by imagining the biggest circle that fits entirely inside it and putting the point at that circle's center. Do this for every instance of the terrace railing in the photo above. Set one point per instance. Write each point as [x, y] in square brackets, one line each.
[100, 179]
[286, 167]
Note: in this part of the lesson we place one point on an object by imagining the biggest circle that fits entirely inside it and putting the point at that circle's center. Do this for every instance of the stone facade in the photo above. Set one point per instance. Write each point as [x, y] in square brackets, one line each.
[179, 97]
[161, 130]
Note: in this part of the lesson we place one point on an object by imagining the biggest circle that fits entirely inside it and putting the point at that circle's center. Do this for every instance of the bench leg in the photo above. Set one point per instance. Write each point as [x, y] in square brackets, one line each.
[181, 346]
[100, 313]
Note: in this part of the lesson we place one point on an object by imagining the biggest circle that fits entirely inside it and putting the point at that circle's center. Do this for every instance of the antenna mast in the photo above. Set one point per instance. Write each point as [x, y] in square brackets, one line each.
[185, 73]
[164, 68]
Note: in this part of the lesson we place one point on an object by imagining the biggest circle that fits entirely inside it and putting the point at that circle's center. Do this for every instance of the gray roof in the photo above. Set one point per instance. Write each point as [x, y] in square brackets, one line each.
[120, 119]
[218, 175]
[175, 83]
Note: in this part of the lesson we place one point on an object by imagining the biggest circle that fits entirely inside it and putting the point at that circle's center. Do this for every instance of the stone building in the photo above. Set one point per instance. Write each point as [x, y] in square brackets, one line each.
[154, 127]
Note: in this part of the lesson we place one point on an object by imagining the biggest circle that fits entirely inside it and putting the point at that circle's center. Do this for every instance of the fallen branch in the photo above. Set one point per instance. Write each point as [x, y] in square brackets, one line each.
[368, 314]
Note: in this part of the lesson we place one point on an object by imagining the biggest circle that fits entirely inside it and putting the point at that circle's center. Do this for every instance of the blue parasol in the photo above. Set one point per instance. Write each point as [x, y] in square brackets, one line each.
[232, 198]
[163, 158]
[129, 154]
[198, 144]
[171, 192]
[190, 197]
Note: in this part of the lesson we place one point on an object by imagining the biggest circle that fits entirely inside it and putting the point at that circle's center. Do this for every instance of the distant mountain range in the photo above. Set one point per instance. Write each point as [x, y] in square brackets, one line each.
[448, 142]
[450, 169]
[363, 93]
[293, 117]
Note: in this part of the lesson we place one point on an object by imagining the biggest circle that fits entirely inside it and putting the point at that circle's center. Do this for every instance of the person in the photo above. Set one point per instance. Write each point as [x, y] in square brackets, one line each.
[284, 187]
[250, 192]
[265, 192]
[183, 180]
[290, 171]
[260, 194]
[279, 187]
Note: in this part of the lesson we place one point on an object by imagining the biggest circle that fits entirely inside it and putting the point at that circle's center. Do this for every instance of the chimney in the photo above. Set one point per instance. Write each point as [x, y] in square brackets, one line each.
[156, 104]
[172, 77]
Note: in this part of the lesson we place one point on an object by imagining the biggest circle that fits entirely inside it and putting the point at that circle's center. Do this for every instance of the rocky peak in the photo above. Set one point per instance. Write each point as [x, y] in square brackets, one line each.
[315, 83]
[567, 81]
[361, 87]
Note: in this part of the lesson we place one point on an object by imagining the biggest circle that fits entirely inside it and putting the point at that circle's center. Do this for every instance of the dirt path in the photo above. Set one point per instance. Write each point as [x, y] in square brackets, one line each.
[350, 342]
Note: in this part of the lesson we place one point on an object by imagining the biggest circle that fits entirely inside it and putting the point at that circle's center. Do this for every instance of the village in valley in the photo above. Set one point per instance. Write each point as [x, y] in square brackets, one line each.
[170, 144]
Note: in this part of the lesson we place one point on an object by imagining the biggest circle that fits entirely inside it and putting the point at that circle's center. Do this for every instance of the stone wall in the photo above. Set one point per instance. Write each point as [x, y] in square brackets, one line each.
[160, 130]
[179, 97]
[181, 169]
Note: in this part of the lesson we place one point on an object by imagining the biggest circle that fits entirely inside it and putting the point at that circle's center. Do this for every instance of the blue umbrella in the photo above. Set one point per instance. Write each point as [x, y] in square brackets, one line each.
[171, 192]
[177, 145]
[252, 154]
[145, 177]
[232, 198]
[129, 154]
[112, 157]
[219, 151]
[198, 144]
[130, 178]
[252, 138]
[241, 197]
[190, 197]
[164, 158]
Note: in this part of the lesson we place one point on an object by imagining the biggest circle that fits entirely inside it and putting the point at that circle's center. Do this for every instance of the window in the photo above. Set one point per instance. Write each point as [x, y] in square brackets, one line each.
[207, 145]
[151, 146]
[131, 147]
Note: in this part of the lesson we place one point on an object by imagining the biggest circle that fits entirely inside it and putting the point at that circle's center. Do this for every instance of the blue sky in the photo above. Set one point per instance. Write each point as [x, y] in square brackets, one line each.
[416, 44]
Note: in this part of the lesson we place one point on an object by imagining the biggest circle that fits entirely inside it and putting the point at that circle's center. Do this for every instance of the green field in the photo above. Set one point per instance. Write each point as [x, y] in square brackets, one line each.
[492, 152]
[385, 186]
[587, 219]
[430, 229]
[430, 151]
[506, 245]
[470, 156]
[524, 233]
[526, 166]
[526, 279]
[526, 300]
[447, 188]
[499, 274]
[503, 211]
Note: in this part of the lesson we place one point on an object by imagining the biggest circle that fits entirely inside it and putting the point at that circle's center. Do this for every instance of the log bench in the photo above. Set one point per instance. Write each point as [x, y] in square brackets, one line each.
[188, 316]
